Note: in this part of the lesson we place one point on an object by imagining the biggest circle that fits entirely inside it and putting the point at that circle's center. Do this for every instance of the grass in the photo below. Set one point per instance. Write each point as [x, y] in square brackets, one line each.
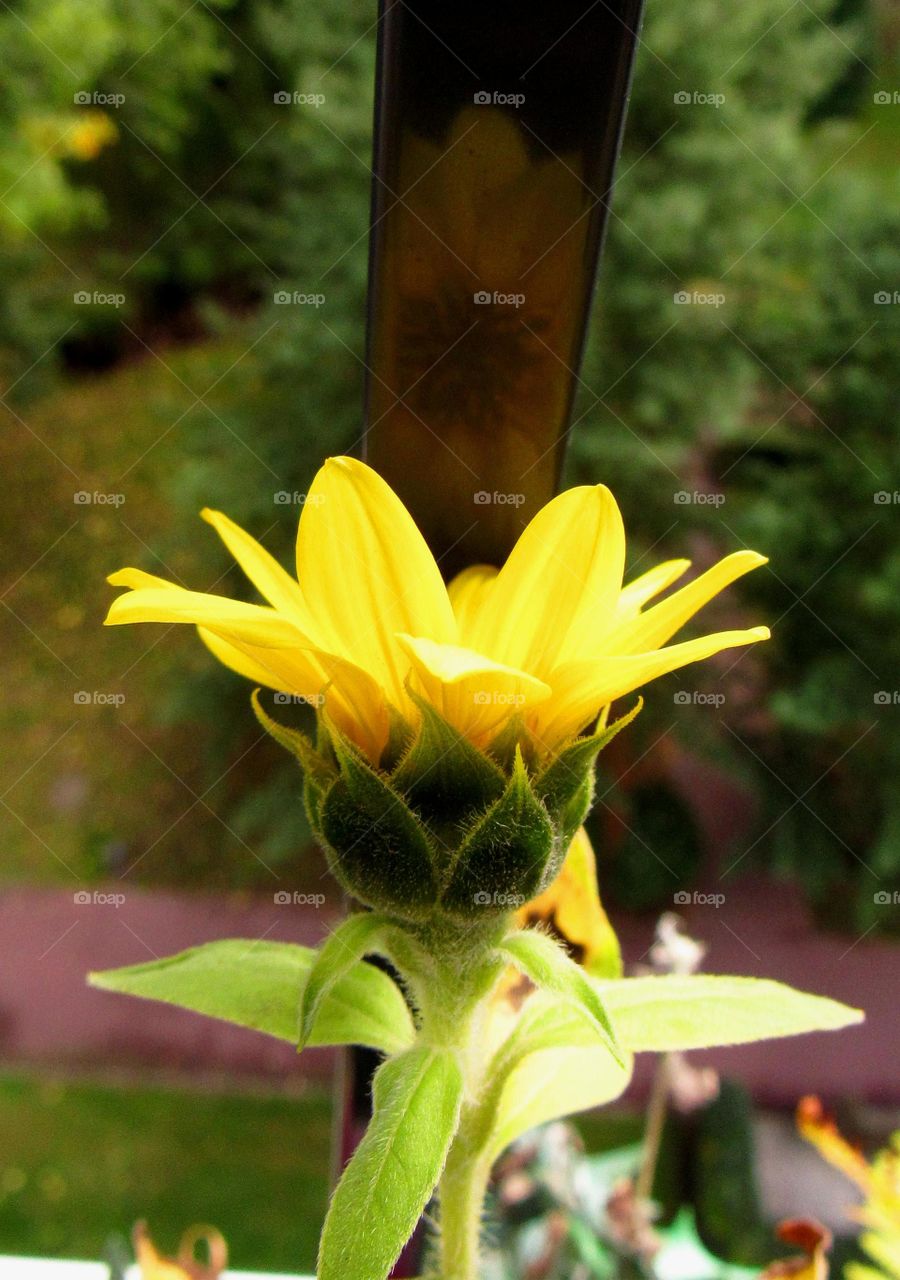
[82, 1162]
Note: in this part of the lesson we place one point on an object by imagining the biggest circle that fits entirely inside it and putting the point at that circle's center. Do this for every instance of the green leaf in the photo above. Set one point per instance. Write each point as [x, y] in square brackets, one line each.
[344, 948]
[259, 985]
[542, 960]
[557, 1063]
[671, 1012]
[386, 1185]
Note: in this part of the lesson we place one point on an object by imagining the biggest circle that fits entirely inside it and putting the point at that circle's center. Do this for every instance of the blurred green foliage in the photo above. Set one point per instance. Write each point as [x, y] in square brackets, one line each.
[184, 184]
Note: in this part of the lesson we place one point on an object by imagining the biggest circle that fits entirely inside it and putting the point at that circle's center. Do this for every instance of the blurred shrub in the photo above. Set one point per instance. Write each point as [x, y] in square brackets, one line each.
[778, 401]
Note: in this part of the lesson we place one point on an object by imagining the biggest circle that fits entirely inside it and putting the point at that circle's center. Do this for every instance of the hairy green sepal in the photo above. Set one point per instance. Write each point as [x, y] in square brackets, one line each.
[441, 828]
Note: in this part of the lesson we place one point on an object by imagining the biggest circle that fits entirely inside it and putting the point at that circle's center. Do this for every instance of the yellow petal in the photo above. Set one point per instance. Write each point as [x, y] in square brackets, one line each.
[472, 692]
[636, 594]
[571, 907]
[357, 704]
[366, 566]
[654, 628]
[581, 688]
[137, 578]
[252, 623]
[353, 700]
[468, 593]
[556, 594]
[273, 583]
[285, 670]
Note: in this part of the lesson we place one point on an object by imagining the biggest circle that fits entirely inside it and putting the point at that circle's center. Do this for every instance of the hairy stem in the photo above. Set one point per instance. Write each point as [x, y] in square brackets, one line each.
[453, 998]
[461, 1204]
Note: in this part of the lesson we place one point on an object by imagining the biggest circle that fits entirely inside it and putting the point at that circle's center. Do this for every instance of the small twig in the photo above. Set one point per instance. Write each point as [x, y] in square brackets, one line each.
[653, 1131]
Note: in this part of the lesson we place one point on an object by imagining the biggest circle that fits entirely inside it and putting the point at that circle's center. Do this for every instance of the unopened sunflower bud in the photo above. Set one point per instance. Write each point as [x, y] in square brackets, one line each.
[443, 828]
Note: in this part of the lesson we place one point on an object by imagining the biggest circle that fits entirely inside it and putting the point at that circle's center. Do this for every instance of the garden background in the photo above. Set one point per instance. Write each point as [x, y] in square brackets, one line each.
[184, 193]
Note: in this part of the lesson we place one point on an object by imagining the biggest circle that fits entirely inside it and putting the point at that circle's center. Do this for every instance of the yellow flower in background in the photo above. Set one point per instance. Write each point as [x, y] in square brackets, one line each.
[94, 131]
[154, 1265]
[879, 1181]
[553, 637]
[571, 908]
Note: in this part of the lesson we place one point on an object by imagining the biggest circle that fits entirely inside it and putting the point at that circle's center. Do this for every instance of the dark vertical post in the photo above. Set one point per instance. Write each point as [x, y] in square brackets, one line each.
[497, 129]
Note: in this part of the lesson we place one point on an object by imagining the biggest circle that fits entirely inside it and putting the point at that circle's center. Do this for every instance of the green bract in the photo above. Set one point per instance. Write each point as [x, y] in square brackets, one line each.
[442, 828]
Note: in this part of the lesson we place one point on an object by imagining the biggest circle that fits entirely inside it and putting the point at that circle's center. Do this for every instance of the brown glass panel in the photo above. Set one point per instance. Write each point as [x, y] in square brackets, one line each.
[496, 136]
